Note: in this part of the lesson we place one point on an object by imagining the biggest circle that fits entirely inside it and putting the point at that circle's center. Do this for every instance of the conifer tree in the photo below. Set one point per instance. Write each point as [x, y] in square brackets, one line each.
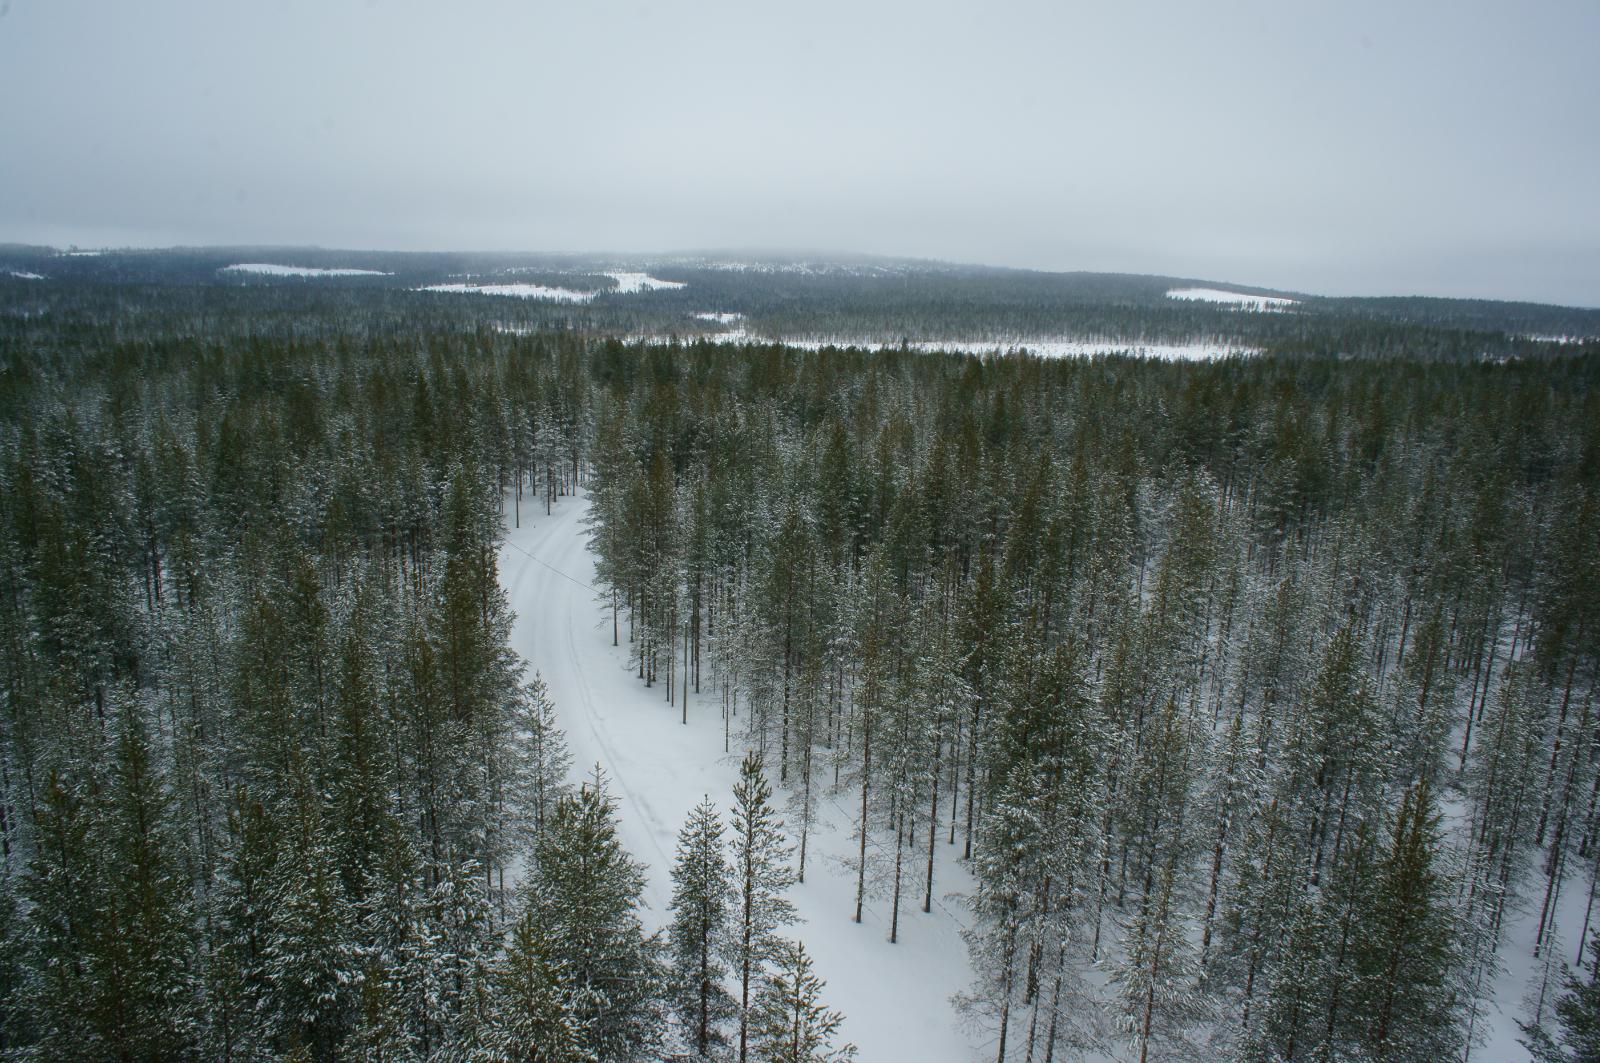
[533, 1014]
[1410, 956]
[1577, 1039]
[791, 1024]
[147, 924]
[761, 875]
[583, 893]
[698, 936]
[542, 760]
[309, 959]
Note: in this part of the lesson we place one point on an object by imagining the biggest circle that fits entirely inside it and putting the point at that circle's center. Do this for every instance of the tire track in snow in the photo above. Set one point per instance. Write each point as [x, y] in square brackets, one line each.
[659, 769]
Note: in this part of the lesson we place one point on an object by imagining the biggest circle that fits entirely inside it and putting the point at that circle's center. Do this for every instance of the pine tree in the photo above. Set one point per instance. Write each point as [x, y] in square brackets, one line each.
[380, 1032]
[761, 874]
[242, 910]
[310, 964]
[60, 1000]
[584, 894]
[533, 1015]
[698, 936]
[451, 957]
[542, 761]
[1578, 1013]
[148, 924]
[790, 1023]
[1158, 992]
[1409, 957]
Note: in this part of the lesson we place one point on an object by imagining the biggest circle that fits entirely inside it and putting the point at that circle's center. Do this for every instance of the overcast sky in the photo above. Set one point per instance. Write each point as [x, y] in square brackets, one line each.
[1448, 148]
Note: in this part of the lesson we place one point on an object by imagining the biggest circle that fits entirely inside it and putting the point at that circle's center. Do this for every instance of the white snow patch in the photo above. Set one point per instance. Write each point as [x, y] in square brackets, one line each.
[515, 291]
[1562, 340]
[804, 268]
[24, 275]
[628, 283]
[1238, 299]
[1044, 347]
[895, 998]
[271, 269]
[721, 317]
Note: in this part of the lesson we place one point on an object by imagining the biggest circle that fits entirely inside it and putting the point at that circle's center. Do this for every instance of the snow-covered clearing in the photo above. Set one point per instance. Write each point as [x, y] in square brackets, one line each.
[515, 291]
[24, 275]
[628, 283]
[272, 269]
[721, 317]
[1057, 347]
[896, 998]
[804, 268]
[1239, 299]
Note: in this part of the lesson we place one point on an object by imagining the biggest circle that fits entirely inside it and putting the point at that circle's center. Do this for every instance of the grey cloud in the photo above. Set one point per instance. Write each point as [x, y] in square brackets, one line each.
[1442, 148]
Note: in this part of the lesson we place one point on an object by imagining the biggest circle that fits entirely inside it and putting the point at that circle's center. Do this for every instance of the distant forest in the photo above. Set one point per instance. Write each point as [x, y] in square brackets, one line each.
[881, 300]
[1257, 694]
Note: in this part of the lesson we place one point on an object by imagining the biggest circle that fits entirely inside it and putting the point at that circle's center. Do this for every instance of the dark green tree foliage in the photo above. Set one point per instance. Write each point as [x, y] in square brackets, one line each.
[1195, 634]
[698, 938]
[1161, 649]
[583, 894]
[534, 1017]
[761, 875]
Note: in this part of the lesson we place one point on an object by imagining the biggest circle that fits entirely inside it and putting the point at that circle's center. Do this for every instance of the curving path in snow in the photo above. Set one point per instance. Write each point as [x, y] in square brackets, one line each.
[895, 998]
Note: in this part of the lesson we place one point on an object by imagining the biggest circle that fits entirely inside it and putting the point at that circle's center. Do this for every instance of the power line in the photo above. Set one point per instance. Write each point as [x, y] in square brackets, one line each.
[546, 564]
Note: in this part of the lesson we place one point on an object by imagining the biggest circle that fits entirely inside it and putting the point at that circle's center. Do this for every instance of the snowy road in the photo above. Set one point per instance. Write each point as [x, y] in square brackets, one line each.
[896, 998]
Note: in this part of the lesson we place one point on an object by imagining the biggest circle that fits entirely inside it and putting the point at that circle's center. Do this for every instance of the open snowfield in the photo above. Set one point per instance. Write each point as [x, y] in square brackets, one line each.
[514, 291]
[1239, 299]
[1048, 347]
[895, 997]
[1562, 340]
[628, 283]
[272, 269]
[25, 275]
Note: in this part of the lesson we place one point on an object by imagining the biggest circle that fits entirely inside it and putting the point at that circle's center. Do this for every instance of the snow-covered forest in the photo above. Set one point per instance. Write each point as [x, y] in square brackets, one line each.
[1254, 698]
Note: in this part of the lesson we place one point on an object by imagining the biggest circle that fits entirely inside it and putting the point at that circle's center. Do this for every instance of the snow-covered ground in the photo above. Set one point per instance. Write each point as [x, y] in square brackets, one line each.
[1563, 340]
[1513, 997]
[805, 268]
[896, 998]
[1044, 347]
[628, 283]
[1239, 299]
[25, 275]
[515, 291]
[272, 269]
[721, 317]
